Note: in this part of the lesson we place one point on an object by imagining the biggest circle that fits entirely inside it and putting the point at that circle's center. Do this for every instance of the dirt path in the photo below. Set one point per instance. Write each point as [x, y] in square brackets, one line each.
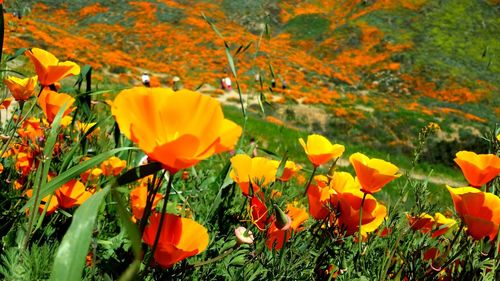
[438, 180]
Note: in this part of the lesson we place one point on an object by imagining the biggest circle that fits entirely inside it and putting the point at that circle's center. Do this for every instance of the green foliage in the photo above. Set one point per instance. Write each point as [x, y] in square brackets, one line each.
[33, 264]
[308, 27]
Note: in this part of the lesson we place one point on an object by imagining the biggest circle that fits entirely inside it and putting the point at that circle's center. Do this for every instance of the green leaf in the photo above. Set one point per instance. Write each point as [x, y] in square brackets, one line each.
[73, 172]
[130, 228]
[231, 62]
[139, 172]
[19, 52]
[70, 257]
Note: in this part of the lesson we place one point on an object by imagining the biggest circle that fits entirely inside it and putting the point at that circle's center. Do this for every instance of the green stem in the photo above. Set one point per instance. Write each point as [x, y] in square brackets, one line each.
[306, 187]
[163, 211]
[360, 237]
[215, 259]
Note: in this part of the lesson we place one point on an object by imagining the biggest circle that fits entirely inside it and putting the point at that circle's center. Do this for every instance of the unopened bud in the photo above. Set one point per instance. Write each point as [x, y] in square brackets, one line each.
[283, 221]
[243, 236]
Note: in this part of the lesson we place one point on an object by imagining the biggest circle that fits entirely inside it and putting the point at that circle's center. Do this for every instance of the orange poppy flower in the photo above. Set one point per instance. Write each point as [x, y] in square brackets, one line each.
[349, 206]
[49, 68]
[320, 150]
[177, 129]
[31, 129]
[91, 175]
[478, 169]
[373, 173]
[72, 193]
[180, 238]
[424, 222]
[24, 162]
[51, 102]
[138, 198]
[318, 196]
[113, 166]
[442, 224]
[290, 170]
[258, 171]
[277, 237]
[53, 204]
[480, 211]
[21, 88]
[343, 182]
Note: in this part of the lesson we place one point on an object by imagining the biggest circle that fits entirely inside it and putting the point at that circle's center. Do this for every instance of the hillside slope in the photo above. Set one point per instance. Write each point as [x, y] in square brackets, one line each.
[381, 69]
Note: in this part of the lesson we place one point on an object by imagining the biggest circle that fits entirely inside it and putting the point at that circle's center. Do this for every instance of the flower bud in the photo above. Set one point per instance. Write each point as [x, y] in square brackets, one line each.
[243, 236]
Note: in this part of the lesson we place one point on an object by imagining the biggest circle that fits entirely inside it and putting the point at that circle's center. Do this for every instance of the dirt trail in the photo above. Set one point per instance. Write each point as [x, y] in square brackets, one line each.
[320, 116]
[438, 180]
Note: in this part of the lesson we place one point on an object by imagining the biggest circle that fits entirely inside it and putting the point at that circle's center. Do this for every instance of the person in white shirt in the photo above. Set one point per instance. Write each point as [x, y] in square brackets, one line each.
[146, 81]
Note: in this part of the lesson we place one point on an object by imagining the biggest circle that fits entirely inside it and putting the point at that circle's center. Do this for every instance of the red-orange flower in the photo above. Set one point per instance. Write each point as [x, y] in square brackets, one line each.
[49, 68]
[258, 213]
[31, 129]
[320, 150]
[480, 211]
[72, 193]
[177, 129]
[51, 102]
[113, 166]
[138, 198]
[290, 170]
[373, 173]
[478, 169]
[258, 171]
[318, 195]
[24, 162]
[53, 204]
[21, 88]
[424, 222]
[180, 238]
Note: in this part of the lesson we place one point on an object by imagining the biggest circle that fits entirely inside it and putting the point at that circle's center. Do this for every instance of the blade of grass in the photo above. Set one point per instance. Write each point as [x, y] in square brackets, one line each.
[70, 257]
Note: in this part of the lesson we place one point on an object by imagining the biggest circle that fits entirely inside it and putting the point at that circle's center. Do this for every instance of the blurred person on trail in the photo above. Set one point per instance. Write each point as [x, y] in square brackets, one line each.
[176, 83]
[146, 81]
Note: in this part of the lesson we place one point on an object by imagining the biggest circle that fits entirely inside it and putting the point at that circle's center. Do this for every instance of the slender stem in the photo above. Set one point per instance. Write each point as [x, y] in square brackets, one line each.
[306, 187]
[450, 247]
[163, 211]
[360, 237]
[155, 185]
[453, 258]
[215, 259]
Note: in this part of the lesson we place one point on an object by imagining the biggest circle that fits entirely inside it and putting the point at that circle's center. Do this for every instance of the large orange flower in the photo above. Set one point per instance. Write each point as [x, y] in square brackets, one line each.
[51, 102]
[180, 238]
[478, 169]
[72, 193]
[320, 150]
[49, 68]
[258, 171]
[373, 173]
[480, 211]
[177, 129]
[21, 88]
